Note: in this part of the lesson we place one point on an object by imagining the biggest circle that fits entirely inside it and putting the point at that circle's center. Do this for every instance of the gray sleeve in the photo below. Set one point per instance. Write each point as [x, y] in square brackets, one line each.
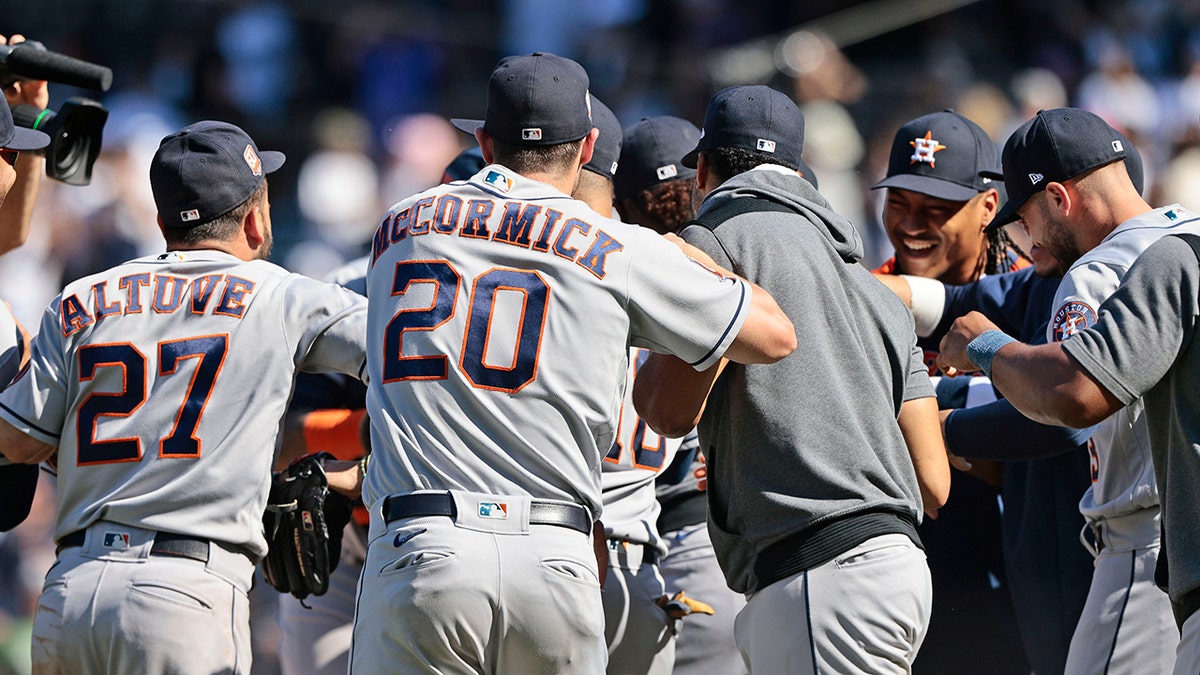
[332, 323]
[917, 385]
[1143, 326]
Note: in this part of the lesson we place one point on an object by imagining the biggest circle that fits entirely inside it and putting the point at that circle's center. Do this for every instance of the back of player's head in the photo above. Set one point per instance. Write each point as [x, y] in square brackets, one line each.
[759, 124]
[534, 100]
[607, 151]
[206, 170]
[651, 152]
[942, 155]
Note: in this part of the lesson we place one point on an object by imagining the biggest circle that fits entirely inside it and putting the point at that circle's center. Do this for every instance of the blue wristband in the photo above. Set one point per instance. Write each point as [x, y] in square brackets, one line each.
[983, 349]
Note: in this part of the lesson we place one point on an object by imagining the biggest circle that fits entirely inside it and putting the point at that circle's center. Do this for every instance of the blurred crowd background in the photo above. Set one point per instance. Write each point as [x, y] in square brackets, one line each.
[358, 94]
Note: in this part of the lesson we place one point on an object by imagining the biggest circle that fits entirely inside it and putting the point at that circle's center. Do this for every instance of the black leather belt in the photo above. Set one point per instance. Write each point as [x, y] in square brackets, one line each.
[178, 545]
[397, 507]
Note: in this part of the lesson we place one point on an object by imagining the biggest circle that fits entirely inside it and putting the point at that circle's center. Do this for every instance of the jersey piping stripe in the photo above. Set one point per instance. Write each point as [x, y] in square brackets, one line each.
[12, 412]
[736, 314]
[1124, 603]
[510, 198]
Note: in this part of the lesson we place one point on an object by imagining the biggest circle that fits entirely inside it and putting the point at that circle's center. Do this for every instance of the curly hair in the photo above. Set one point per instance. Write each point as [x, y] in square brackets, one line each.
[667, 206]
[727, 162]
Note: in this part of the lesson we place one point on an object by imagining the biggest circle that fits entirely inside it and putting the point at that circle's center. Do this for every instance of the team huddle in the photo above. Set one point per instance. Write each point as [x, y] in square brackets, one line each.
[627, 401]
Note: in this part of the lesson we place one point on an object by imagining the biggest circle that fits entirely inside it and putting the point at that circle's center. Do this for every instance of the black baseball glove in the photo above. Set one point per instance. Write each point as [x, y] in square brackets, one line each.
[303, 524]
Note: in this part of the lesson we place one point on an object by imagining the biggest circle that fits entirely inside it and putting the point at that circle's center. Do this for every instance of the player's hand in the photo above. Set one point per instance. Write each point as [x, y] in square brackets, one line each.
[693, 252]
[952, 357]
[344, 477]
[31, 92]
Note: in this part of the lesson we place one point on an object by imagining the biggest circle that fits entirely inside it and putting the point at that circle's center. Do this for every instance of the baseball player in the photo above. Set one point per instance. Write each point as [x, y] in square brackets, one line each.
[1072, 193]
[816, 482]
[654, 190]
[500, 315]
[636, 628]
[325, 415]
[159, 386]
[936, 208]
[1143, 344]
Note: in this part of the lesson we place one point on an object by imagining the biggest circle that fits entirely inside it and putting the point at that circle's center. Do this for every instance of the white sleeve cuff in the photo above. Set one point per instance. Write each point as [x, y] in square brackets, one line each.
[928, 302]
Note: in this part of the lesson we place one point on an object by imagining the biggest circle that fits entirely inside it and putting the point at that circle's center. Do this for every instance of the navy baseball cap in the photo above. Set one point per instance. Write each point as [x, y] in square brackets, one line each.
[13, 137]
[941, 155]
[755, 118]
[608, 145]
[536, 99]
[205, 170]
[1056, 145]
[466, 164]
[650, 152]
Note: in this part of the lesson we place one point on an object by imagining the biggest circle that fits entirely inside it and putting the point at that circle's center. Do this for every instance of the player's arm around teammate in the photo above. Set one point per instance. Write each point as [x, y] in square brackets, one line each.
[767, 336]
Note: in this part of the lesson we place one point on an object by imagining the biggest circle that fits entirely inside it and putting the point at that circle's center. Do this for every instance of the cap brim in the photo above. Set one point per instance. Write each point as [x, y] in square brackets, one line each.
[994, 175]
[466, 126]
[1006, 214]
[271, 160]
[927, 185]
[27, 139]
[689, 160]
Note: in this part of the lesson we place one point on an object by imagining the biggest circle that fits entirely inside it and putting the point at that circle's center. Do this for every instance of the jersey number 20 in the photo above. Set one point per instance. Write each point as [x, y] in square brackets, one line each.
[209, 352]
[512, 377]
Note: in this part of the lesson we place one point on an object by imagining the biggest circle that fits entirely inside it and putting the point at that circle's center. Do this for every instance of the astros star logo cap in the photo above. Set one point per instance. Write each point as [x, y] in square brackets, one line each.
[941, 155]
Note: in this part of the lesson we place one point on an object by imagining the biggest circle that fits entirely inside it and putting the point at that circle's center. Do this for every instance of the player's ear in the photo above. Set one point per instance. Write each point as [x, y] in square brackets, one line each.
[589, 146]
[702, 174]
[1058, 197]
[254, 227]
[991, 204]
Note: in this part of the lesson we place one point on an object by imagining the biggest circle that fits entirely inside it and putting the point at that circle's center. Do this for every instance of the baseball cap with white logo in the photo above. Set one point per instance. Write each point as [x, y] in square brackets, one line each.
[606, 154]
[756, 118]
[650, 152]
[533, 100]
[1055, 146]
[941, 155]
[205, 170]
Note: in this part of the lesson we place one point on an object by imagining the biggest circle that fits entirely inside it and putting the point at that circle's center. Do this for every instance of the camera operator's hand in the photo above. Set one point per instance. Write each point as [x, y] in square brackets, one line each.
[31, 92]
[17, 207]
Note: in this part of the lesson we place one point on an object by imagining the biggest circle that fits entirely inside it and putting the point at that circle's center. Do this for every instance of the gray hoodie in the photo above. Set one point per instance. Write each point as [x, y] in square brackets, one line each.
[813, 438]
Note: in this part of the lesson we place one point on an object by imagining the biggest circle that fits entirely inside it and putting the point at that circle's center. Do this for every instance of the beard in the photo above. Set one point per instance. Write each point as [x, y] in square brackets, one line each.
[264, 251]
[1059, 240]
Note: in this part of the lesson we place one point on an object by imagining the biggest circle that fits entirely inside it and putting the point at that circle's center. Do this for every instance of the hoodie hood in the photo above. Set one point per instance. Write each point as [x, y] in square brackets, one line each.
[784, 186]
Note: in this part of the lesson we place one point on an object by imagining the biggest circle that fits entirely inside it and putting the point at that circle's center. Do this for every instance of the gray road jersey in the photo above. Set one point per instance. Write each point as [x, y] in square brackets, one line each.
[1123, 472]
[163, 382]
[1146, 346]
[501, 311]
[633, 462]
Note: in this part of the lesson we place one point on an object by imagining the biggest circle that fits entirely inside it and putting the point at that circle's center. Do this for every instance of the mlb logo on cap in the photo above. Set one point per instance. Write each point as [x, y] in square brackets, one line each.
[665, 172]
[531, 134]
[765, 145]
[190, 215]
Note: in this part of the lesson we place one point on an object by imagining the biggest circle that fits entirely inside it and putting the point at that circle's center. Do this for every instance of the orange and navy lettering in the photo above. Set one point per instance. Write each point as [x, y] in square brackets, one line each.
[166, 298]
[506, 222]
